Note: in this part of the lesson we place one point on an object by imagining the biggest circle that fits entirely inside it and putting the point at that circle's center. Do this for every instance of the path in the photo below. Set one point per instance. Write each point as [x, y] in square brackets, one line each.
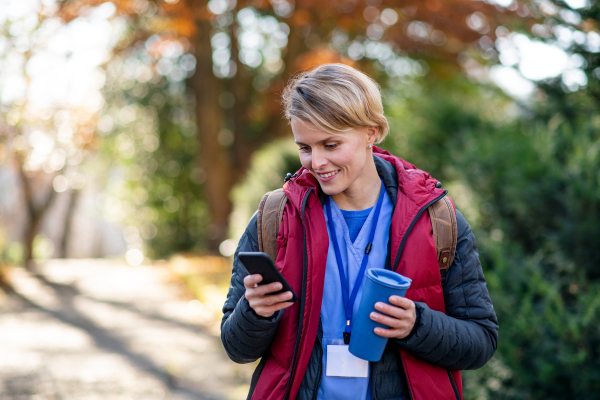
[98, 329]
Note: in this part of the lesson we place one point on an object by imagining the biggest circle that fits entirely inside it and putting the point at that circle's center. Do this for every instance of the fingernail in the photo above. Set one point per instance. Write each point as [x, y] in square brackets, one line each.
[278, 286]
[378, 306]
[373, 316]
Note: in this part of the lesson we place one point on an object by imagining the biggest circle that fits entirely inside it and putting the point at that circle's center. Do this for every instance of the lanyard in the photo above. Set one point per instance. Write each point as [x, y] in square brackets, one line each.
[349, 301]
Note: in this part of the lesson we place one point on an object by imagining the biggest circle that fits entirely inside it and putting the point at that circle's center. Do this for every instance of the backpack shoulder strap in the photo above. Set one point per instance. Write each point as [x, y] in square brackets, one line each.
[270, 213]
[443, 222]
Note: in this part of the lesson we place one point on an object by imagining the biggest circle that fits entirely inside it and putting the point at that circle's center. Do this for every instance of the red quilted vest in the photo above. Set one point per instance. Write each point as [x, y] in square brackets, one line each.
[302, 246]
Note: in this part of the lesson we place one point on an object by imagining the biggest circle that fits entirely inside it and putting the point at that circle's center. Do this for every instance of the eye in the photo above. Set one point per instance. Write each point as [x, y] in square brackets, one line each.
[304, 149]
[331, 146]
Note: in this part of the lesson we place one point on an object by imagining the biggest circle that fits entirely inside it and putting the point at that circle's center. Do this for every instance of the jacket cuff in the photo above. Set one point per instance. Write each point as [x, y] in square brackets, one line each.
[256, 321]
[419, 330]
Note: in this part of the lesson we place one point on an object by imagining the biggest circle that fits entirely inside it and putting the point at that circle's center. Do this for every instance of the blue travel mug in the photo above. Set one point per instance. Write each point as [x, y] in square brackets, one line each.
[379, 286]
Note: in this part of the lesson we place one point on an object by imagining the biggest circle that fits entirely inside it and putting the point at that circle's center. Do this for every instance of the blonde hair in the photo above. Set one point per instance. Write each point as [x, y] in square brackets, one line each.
[335, 98]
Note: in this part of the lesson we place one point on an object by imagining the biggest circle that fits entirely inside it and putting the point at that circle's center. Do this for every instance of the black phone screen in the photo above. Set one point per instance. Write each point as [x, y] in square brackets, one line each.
[261, 263]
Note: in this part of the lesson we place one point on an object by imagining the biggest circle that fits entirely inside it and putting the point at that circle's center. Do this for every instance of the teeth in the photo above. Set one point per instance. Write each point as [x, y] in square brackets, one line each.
[328, 175]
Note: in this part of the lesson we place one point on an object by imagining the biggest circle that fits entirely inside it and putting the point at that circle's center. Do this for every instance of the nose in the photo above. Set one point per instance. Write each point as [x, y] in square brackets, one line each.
[318, 160]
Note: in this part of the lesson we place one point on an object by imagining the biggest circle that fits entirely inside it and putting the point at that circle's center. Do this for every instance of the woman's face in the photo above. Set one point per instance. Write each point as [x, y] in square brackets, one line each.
[336, 160]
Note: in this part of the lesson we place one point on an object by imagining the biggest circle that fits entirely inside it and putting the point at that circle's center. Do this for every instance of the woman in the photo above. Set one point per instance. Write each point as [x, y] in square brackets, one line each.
[435, 331]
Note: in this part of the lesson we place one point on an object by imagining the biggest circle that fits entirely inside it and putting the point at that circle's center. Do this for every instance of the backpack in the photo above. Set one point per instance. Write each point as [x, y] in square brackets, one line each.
[441, 213]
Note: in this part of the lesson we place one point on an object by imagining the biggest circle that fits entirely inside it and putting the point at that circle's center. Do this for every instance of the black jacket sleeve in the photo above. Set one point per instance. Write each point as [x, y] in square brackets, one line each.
[466, 337]
[246, 336]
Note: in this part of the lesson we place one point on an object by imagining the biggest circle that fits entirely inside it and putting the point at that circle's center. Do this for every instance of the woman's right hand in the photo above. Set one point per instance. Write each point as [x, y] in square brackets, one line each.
[263, 303]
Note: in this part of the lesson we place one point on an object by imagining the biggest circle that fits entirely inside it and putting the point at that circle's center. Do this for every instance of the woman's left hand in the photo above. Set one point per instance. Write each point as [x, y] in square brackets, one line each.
[400, 316]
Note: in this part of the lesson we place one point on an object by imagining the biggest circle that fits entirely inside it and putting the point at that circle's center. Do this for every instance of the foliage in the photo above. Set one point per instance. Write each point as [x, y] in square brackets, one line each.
[150, 143]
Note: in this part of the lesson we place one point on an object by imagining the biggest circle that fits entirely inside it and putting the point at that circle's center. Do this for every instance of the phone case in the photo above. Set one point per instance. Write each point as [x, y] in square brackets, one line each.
[261, 263]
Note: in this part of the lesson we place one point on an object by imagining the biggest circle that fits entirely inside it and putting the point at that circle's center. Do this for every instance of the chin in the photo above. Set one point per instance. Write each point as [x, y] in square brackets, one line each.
[330, 189]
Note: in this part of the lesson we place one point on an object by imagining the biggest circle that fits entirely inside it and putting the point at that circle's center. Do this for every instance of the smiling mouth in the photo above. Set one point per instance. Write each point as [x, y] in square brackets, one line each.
[328, 174]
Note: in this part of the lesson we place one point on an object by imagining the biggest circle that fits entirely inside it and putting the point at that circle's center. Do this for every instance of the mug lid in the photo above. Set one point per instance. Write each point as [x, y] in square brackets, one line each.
[389, 278]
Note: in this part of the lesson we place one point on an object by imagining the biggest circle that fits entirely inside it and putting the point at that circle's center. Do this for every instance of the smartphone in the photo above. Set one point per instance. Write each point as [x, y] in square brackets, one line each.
[261, 263]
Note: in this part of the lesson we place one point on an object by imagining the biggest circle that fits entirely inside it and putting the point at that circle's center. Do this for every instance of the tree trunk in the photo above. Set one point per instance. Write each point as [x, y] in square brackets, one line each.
[225, 166]
[214, 158]
[68, 222]
[32, 230]
[35, 212]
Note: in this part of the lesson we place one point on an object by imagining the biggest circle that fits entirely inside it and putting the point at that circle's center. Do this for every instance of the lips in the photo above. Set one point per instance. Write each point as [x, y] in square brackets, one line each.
[327, 175]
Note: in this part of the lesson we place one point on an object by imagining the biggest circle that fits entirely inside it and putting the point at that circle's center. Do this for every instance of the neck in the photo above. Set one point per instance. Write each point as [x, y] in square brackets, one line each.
[363, 193]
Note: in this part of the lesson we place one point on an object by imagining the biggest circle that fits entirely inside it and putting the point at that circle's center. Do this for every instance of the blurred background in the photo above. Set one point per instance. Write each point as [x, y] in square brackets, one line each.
[137, 138]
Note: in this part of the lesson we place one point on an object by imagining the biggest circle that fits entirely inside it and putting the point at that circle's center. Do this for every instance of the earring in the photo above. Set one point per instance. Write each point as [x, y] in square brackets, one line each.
[370, 146]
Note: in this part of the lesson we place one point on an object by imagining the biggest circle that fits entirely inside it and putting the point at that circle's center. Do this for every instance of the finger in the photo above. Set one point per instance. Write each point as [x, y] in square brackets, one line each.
[388, 309]
[252, 295]
[276, 298]
[285, 296]
[401, 302]
[389, 321]
[389, 333]
[264, 290]
[262, 301]
[250, 281]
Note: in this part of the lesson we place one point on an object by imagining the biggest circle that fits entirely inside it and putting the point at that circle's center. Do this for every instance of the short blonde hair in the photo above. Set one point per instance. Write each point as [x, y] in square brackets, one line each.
[335, 98]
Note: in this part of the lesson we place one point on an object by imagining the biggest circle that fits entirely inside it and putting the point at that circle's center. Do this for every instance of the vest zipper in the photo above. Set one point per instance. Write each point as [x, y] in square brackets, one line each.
[302, 298]
[453, 384]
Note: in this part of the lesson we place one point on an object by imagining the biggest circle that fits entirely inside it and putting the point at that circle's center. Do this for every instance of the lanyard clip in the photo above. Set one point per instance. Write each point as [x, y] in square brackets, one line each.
[346, 337]
[347, 332]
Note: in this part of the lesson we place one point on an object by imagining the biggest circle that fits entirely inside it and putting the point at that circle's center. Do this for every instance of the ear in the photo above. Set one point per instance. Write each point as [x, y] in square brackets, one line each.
[372, 132]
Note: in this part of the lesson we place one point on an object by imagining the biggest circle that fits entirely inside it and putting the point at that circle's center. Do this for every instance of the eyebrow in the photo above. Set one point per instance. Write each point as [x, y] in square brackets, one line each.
[327, 139]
